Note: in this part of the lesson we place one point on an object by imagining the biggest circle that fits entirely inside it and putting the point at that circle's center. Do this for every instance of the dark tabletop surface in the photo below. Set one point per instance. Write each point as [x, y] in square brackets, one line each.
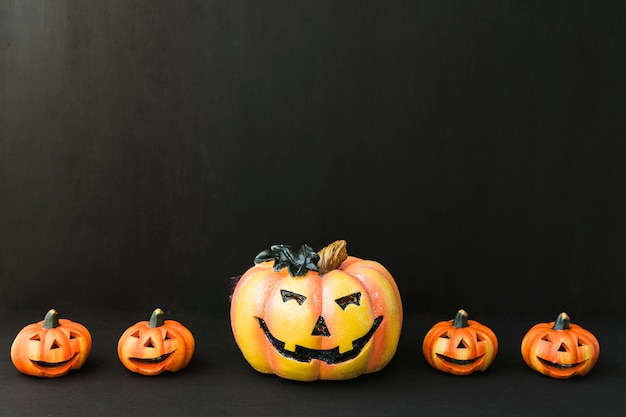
[218, 381]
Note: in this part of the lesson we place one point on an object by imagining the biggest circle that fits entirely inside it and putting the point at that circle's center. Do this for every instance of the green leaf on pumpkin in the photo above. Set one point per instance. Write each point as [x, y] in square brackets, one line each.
[298, 262]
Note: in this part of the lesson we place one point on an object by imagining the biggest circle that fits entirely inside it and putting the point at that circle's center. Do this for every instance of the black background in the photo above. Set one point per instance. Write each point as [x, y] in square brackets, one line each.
[149, 150]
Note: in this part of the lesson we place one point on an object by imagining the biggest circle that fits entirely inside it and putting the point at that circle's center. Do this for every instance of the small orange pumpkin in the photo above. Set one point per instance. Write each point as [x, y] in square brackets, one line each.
[460, 346]
[151, 347]
[560, 349]
[307, 316]
[51, 347]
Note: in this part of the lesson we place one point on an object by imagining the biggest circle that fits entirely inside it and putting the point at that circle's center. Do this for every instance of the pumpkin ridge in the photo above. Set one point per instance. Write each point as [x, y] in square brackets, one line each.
[363, 287]
[373, 266]
[359, 271]
[271, 288]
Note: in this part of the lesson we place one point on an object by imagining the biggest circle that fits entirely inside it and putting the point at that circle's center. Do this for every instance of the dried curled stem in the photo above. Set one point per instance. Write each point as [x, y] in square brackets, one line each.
[332, 256]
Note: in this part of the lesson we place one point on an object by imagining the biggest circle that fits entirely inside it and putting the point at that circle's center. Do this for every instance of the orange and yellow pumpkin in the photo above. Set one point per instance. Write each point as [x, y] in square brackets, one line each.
[560, 349]
[306, 316]
[157, 345]
[51, 347]
[460, 346]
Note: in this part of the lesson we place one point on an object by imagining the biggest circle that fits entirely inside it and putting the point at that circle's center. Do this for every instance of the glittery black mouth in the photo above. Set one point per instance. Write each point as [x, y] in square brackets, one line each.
[44, 364]
[461, 362]
[330, 356]
[563, 366]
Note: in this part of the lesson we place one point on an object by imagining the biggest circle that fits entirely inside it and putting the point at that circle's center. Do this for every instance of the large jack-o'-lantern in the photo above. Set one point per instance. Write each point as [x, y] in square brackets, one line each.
[51, 347]
[307, 316]
[460, 346]
[157, 345]
[560, 349]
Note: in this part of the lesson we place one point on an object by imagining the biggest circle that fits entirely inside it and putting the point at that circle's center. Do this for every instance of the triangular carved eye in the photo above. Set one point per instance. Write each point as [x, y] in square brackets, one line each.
[74, 335]
[581, 343]
[479, 338]
[36, 338]
[289, 295]
[446, 335]
[562, 348]
[167, 336]
[135, 334]
[546, 338]
[346, 300]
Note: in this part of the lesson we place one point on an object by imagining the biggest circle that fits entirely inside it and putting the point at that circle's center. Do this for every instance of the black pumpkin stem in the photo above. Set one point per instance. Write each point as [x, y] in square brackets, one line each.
[298, 262]
[460, 320]
[51, 320]
[157, 319]
[562, 322]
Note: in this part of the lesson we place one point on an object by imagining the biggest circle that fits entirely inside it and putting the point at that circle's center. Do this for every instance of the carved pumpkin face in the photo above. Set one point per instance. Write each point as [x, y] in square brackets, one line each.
[299, 323]
[51, 347]
[460, 346]
[560, 349]
[151, 347]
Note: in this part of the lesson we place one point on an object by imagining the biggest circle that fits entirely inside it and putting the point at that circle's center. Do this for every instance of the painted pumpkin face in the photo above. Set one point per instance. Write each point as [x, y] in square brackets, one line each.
[301, 322]
[460, 346]
[560, 349]
[51, 347]
[151, 347]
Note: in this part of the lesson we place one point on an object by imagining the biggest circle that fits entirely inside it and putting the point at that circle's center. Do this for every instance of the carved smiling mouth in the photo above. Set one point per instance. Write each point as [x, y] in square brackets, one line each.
[330, 356]
[44, 364]
[158, 359]
[563, 366]
[458, 361]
